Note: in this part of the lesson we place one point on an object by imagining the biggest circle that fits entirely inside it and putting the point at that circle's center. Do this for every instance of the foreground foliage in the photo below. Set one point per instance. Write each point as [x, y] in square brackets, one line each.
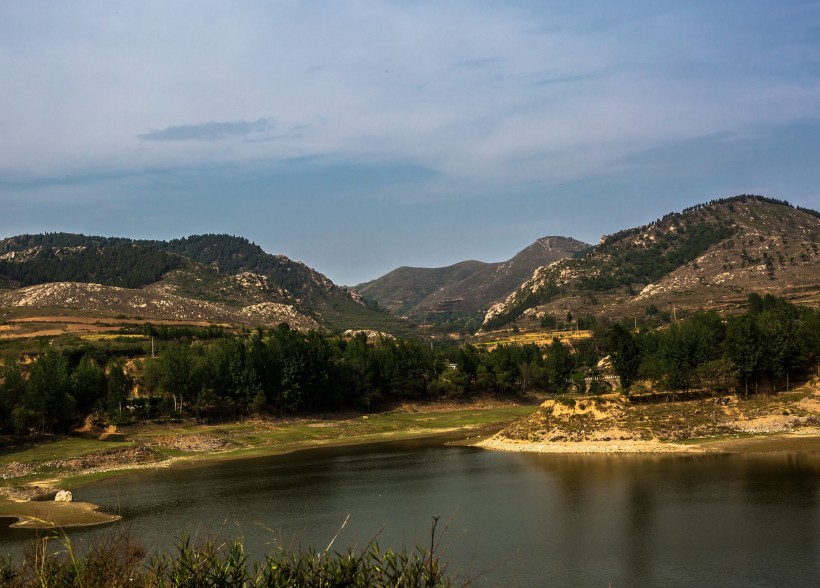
[120, 561]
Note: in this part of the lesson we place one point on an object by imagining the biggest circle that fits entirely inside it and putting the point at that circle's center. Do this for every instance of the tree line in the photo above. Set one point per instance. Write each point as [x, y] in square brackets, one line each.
[281, 371]
[767, 345]
[278, 371]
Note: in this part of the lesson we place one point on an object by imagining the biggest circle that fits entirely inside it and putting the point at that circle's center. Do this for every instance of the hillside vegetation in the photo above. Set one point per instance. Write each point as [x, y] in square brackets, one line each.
[217, 278]
[708, 256]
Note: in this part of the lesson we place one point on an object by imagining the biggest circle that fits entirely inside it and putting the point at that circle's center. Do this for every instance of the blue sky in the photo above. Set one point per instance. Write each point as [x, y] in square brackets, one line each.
[358, 136]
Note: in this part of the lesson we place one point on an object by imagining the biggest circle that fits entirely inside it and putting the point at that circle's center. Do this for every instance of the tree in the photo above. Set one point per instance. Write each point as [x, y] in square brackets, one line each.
[88, 384]
[11, 390]
[718, 374]
[743, 348]
[625, 354]
[119, 387]
[177, 374]
[780, 344]
[559, 364]
[47, 403]
[467, 360]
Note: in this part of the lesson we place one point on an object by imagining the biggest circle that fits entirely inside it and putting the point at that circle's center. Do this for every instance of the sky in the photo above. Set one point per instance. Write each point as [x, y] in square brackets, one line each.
[358, 136]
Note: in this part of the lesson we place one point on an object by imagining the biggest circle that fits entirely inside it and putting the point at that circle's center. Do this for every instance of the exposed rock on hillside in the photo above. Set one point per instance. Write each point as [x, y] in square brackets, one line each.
[217, 278]
[109, 300]
[708, 256]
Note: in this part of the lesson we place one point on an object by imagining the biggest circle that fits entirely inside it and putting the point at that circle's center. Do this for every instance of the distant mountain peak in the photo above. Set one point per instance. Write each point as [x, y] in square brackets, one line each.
[464, 290]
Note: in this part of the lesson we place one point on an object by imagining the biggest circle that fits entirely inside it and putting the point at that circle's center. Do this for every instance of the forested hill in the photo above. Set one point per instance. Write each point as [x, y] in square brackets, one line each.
[707, 256]
[28, 260]
[221, 269]
[232, 255]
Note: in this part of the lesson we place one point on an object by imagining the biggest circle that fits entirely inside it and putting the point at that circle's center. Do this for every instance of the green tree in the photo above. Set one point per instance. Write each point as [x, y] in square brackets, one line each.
[744, 349]
[177, 378]
[119, 387]
[559, 364]
[780, 343]
[12, 391]
[47, 403]
[625, 354]
[88, 384]
[467, 362]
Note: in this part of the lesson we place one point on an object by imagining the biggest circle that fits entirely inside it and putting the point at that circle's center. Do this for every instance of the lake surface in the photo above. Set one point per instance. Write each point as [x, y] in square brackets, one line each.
[518, 519]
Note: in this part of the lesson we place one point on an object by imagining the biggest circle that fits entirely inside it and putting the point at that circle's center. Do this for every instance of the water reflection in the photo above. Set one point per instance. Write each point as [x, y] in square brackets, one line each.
[548, 519]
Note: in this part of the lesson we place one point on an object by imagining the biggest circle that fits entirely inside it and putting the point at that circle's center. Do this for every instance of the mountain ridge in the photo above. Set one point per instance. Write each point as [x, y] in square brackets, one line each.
[712, 254]
[223, 270]
[464, 288]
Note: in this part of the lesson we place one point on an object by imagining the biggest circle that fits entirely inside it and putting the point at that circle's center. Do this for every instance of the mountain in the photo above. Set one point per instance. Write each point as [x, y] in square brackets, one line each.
[463, 289]
[708, 256]
[218, 278]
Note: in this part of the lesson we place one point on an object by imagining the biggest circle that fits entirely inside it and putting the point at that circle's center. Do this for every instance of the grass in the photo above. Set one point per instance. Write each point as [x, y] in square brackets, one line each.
[259, 438]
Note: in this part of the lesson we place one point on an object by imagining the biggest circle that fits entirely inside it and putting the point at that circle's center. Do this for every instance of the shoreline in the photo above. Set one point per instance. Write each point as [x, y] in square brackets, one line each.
[763, 443]
[586, 447]
[271, 438]
[49, 514]
[191, 445]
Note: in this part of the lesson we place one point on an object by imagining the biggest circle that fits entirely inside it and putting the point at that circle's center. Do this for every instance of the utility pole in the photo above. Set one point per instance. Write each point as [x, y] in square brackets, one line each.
[674, 314]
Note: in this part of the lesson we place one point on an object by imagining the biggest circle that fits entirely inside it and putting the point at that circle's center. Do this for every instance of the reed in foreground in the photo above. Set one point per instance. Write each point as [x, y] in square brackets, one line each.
[120, 561]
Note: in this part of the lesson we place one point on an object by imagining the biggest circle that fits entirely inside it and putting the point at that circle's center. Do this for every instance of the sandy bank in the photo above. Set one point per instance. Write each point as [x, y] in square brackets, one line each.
[623, 446]
[53, 515]
[804, 441]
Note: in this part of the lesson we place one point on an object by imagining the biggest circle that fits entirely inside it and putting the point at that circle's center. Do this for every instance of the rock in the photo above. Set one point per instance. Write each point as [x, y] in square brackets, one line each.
[63, 496]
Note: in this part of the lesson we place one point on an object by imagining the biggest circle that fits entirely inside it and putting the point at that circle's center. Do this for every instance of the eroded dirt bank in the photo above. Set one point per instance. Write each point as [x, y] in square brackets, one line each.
[612, 424]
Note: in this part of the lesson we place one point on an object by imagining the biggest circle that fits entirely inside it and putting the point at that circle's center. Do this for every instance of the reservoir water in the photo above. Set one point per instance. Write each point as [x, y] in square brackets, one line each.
[513, 519]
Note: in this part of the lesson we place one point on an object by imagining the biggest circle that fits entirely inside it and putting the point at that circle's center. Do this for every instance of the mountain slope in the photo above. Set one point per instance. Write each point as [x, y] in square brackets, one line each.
[235, 279]
[709, 255]
[465, 288]
[403, 289]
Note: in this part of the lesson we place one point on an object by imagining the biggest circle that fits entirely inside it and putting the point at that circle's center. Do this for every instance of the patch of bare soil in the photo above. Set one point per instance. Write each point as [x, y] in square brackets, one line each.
[483, 402]
[94, 429]
[27, 493]
[108, 459]
[189, 442]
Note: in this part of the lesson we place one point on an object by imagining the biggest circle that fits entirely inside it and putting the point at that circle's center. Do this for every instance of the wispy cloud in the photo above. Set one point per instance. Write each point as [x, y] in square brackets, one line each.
[209, 131]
